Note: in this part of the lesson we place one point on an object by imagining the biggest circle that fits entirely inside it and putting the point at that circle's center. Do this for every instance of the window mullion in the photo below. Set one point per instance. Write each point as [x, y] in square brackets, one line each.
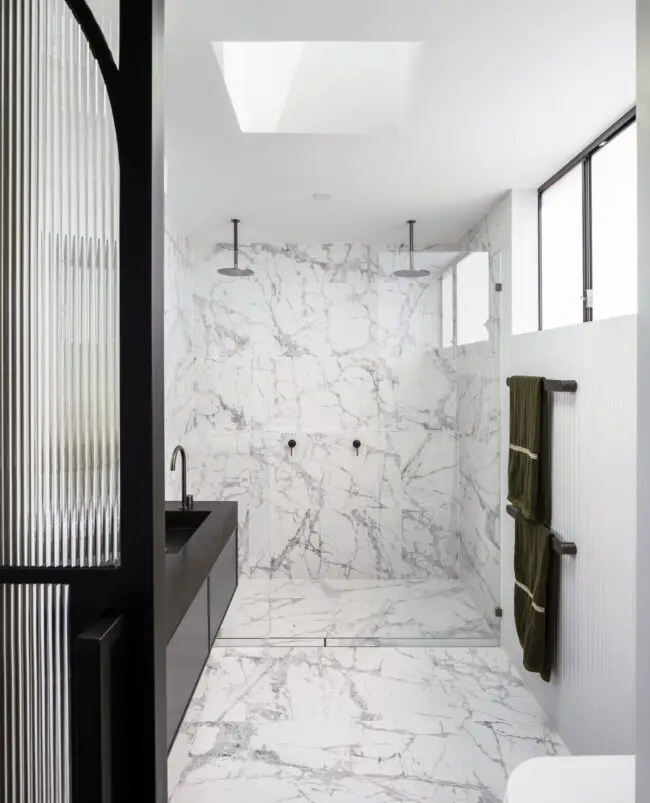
[540, 265]
[587, 240]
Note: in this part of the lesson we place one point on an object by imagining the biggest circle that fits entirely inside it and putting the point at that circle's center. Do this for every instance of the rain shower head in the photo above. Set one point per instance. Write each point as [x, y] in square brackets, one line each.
[235, 270]
[411, 272]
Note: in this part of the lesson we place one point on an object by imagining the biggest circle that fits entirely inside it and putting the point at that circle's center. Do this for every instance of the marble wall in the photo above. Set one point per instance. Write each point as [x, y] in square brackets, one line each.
[179, 357]
[322, 345]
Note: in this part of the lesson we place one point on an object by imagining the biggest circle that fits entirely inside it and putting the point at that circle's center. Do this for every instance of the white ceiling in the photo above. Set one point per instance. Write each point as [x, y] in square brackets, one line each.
[503, 93]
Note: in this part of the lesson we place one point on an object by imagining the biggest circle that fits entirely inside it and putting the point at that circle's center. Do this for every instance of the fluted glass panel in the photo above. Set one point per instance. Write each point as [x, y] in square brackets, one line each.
[34, 694]
[107, 14]
[59, 295]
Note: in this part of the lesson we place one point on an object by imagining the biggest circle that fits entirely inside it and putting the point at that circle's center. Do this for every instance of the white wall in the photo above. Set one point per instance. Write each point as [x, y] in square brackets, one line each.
[643, 468]
[591, 696]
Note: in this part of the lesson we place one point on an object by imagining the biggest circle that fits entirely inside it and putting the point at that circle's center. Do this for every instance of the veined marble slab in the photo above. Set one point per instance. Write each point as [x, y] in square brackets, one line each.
[344, 725]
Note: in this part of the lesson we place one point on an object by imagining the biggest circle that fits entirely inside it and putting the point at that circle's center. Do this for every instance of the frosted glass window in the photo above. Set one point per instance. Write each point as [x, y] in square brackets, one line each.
[562, 252]
[448, 309]
[614, 226]
[472, 298]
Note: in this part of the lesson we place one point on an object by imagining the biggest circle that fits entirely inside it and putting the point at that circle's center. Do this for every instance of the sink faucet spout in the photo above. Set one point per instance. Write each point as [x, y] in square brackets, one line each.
[187, 501]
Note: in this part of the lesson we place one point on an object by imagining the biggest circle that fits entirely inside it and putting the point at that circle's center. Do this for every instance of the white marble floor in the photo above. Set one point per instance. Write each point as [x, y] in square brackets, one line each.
[341, 725]
[347, 612]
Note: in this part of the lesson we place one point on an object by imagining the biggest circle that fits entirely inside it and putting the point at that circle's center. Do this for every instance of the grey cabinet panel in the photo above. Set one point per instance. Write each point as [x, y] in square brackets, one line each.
[223, 582]
[187, 653]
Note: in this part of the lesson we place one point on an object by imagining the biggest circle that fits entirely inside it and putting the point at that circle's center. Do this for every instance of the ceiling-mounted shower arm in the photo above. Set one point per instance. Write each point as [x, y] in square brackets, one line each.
[411, 244]
[411, 272]
[235, 270]
[235, 242]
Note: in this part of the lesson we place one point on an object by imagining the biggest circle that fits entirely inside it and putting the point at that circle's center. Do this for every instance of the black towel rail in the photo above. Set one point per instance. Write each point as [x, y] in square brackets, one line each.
[557, 385]
[559, 546]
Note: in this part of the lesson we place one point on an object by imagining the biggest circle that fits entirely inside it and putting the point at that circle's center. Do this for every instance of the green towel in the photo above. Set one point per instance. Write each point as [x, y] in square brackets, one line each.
[529, 490]
[526, 431]
[536, 594]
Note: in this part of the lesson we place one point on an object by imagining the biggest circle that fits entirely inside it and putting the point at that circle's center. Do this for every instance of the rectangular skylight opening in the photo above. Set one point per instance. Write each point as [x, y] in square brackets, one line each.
[317, 87]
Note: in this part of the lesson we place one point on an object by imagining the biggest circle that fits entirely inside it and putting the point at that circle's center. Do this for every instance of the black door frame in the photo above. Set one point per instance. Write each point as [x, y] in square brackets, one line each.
[133, 592]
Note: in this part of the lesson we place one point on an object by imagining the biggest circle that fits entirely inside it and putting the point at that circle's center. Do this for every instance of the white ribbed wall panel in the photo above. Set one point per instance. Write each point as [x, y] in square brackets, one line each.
[591, 698]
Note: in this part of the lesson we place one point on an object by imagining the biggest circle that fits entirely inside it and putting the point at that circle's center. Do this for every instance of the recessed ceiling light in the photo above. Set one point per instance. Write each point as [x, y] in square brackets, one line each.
[322, 196]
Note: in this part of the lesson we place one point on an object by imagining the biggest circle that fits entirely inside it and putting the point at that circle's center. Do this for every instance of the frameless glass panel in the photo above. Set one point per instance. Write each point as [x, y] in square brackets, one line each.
[614, 226]
[59, 290]
[472, 299]
[448, 309]
[34, 694]
[562, 252]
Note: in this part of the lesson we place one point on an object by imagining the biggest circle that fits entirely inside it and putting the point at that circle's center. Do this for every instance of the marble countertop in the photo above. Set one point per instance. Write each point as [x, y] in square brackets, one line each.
[187, 569]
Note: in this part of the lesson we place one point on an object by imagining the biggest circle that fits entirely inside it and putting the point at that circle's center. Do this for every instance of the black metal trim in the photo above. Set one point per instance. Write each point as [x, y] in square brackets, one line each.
[93, 704]
[141, 754]
[557, 385]
[560, 547]
[620, 125]
[587, 283]
[584, 159]
[540, 294]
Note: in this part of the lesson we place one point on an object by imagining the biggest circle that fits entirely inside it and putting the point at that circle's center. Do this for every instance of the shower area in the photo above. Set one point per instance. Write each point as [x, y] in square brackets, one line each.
[334, 391]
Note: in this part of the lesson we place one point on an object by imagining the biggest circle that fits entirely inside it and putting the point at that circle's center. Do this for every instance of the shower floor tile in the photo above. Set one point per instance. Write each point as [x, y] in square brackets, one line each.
[341, 725]
[355, 612]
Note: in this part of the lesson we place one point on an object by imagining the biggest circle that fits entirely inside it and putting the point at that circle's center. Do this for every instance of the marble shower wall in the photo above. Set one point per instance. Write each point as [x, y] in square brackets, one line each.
[479, 477]
[325, 346]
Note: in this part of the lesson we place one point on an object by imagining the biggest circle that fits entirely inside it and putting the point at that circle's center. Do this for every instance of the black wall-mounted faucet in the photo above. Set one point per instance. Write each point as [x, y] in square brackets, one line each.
[187, 500]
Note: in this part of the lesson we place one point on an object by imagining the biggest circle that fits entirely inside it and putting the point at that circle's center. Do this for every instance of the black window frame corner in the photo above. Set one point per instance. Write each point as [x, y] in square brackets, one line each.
[583, 158]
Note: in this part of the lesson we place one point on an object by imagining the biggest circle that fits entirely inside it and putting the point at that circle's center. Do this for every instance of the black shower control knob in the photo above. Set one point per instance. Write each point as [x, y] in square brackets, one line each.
[357, 445]
[292, 445]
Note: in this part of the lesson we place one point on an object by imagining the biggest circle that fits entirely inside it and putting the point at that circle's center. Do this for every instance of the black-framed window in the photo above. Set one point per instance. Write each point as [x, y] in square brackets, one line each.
[588, 232]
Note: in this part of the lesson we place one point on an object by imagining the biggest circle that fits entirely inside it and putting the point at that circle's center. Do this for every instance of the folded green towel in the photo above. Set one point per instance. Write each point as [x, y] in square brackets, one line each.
[536, 593]
[526, 429]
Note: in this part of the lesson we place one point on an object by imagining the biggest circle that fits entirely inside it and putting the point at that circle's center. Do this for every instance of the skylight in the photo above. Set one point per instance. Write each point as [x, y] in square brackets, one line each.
[317, 87]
